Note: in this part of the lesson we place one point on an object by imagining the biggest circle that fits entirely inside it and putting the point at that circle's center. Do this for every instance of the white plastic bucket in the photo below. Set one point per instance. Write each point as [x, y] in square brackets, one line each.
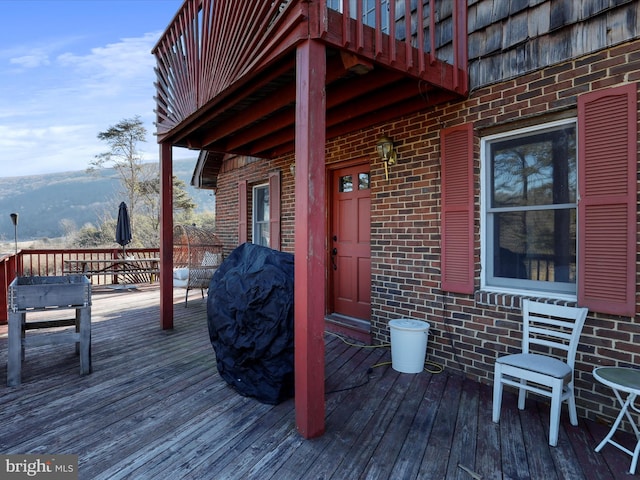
[408, 344]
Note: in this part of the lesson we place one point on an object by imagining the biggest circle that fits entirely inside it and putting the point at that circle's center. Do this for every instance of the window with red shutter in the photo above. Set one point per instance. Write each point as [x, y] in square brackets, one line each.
[559, 205]
[607, 209]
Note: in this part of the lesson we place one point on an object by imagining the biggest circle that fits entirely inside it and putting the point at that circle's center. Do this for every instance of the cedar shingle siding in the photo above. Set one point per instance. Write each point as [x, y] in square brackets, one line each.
[507, 39]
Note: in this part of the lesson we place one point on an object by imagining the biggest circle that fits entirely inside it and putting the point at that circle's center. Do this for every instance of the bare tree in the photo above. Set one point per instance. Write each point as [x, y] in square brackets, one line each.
[140, 181]
[123, 156]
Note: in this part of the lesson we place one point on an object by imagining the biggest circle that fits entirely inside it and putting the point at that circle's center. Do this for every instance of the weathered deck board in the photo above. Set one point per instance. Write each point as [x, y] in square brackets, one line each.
[488, 447]
[155, 407]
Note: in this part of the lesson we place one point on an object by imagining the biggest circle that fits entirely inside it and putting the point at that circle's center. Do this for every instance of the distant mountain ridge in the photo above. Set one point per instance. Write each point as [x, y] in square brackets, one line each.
[43, 201]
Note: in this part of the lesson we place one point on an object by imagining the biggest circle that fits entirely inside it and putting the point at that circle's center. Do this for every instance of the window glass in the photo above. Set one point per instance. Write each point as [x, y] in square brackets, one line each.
[368, 11]
[536, 245]
[537, 169]
[363, 181]
[530, 235]
[346, 184]
[261, 215]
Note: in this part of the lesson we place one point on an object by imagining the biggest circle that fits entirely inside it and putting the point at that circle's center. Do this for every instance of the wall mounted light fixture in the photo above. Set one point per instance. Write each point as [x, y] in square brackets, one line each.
[292, 169]
[387, 153]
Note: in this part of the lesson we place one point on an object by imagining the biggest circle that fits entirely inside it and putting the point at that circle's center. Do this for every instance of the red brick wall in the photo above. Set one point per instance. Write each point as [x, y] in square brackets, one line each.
[467, 332]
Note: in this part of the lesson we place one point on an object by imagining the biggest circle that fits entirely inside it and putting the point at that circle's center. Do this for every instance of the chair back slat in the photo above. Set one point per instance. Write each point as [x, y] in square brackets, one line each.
[557, 337]
[550, 344]
[554, 327]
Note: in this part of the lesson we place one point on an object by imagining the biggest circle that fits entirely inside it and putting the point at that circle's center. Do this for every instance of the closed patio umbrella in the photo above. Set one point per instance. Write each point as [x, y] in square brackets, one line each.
[123, 228]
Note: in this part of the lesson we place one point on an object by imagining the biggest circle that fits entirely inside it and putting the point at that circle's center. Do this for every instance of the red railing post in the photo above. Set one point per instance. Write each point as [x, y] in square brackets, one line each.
[8, 272]
[4, 282]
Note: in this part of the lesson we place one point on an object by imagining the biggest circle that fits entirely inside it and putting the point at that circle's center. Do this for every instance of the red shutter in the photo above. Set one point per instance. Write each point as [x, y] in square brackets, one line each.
[242, 211]
[274, 210]
[607, 155]
[457, 209]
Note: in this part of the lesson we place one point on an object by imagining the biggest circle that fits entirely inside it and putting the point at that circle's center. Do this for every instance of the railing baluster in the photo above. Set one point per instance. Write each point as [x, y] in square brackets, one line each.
[378, 47]
[420, 35]
[432, 31]
[393, 54]
[346, 23]
[407, 34]
[360, 24]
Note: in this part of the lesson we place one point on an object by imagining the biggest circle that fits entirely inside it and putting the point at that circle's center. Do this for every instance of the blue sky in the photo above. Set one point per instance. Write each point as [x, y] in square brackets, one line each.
[70, 69]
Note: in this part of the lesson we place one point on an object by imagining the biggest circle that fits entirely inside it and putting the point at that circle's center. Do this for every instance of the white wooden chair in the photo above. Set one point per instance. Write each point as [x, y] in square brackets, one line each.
[554, 332]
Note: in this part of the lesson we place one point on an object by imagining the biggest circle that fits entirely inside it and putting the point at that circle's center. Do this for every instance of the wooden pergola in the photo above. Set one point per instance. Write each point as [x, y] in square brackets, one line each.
[264, 79]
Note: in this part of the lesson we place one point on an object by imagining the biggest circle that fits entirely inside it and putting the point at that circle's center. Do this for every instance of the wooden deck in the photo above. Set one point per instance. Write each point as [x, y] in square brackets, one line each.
[155, 407]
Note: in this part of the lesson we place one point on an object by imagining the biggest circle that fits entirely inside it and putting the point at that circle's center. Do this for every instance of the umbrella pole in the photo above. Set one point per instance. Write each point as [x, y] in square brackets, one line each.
[124, 264]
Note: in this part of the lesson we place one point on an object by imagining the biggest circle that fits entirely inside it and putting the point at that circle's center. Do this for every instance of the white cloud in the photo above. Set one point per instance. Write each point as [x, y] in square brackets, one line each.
[36, 53]
[34, 60]
[128, 59]
[55, 109]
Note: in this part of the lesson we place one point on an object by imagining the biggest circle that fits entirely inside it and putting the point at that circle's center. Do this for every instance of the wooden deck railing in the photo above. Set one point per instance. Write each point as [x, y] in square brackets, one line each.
[211, 46]
[387, 31]
[54, 262]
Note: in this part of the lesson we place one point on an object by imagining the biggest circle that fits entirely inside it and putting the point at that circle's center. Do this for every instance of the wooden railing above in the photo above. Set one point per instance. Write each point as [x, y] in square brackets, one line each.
[211, 45]
[212, 49]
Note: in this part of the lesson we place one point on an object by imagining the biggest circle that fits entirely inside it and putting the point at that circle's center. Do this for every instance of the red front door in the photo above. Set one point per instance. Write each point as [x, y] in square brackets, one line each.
[350, 237]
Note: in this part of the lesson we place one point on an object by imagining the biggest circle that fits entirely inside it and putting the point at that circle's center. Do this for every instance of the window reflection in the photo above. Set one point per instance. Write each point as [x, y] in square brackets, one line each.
[536, 170]
[346, 184]
[261, 215]
[363, 181]
[536, 245]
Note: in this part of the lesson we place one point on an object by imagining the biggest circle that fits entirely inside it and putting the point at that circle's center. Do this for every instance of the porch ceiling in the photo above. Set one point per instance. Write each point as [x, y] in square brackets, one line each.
[258, 118]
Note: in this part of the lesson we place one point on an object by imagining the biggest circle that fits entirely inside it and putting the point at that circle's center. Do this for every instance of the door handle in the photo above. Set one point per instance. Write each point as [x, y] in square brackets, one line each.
[334, 253]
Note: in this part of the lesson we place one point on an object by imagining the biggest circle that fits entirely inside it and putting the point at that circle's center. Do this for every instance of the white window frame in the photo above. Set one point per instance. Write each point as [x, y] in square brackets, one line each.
[532, 287]
[254, 222]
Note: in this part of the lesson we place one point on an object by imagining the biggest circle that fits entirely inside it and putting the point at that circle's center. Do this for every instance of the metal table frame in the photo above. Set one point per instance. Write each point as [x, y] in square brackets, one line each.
[623, 381]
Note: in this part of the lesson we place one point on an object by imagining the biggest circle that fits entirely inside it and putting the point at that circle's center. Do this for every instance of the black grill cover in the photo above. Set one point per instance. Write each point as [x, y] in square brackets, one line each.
[250, 317]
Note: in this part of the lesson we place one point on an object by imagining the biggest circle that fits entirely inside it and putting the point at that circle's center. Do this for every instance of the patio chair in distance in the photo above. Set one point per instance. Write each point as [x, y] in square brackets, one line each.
[550, 328]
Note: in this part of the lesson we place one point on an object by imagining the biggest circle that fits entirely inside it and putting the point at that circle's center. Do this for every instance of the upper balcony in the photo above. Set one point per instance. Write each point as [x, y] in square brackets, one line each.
[227, 70]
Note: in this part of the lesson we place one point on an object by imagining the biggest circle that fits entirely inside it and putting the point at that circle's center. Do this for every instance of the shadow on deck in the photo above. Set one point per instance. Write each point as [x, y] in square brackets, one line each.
[155, 407]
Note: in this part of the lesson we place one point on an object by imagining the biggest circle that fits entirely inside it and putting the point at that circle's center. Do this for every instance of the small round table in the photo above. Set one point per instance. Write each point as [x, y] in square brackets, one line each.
[622, 381]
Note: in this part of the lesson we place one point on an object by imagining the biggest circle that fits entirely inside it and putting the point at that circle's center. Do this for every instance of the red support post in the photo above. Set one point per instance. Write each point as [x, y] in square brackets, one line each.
[310, 236]
[166, 236]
